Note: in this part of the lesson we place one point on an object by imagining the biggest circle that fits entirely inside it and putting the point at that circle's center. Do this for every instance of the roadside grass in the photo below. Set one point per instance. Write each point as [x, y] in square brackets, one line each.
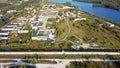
[35, 61]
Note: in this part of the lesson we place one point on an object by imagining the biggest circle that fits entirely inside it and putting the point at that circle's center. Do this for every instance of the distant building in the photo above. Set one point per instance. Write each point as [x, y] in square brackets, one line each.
[7, 29]
[28, 8]
[52, 37]
[11, 25]
[105, 22]
[4, 33]
[1, 16]
[3, 37]
[43, 37]
[76, 19]
[11, 11]
[41, 18]
[23, 31]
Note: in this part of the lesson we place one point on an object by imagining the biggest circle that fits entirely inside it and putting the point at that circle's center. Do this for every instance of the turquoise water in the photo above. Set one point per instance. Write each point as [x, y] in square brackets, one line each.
[108, 13]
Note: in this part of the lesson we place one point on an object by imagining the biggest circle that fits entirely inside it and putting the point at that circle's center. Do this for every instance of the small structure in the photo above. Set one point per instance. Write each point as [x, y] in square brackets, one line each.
[79, 18]
[4, 33]
[23, 31]
[28, 8]
[1, 16]
[41, 18]
[8, 29]
[34, 26]
[11, 11]
[67, 7]
[3, 37]
[12, 25]
[105, 22]
[52, 36]
[42, 37]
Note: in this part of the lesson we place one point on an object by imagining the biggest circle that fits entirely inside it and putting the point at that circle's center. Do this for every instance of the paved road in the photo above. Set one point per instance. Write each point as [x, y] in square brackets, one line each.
[70, 60]
[60, 53]
[59, 64]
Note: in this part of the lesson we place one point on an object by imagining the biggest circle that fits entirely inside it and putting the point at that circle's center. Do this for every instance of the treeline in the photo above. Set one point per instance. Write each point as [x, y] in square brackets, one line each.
[4, 5]
[114, 4]
[94, 65]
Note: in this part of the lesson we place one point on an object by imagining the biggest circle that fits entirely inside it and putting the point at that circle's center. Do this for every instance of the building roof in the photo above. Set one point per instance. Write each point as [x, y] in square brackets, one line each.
[4, 31]
[43, 37]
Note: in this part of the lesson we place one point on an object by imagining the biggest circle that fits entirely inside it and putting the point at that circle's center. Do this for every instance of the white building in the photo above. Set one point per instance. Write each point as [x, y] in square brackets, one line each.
[41, 18]
[12, 25]
[4, 33]
[11, 11]
[76, 19]
[43, 37]
[1, 16]
[23, 31]
[110, 24]
[105, 22]
[28, 8]
[3, 37]
[8, 29]
[52, 36]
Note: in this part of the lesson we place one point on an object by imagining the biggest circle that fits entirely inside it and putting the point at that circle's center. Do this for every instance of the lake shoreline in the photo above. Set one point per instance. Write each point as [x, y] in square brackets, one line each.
[111, 14]
[99, 4]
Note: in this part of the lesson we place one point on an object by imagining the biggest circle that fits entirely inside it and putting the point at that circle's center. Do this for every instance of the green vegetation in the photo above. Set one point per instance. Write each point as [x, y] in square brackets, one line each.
[4, 5]
[94, 65]
[56, 56]
[35, 61]
[91, 32]
[105, 3]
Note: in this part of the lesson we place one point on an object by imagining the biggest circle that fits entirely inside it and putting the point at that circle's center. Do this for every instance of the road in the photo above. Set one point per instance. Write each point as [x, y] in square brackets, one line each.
[61, 63]
[60, 53]
[69, 29]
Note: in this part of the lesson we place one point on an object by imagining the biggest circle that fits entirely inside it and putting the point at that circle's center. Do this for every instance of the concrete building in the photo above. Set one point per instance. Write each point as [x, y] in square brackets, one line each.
[23, 31]
[12, 25]
[42, 37]
[1, 16]
[3, 37]
[41, 18]
[77, 19]
[8, 29]
[105, 22]
[4, 33]
[11, 11]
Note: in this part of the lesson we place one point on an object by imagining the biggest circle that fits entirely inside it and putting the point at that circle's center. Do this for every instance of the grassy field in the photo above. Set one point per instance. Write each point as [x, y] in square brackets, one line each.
[92, 32]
